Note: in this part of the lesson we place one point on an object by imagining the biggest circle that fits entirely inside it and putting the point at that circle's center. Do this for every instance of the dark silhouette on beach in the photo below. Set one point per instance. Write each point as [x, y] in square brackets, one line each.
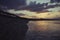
[12, 27]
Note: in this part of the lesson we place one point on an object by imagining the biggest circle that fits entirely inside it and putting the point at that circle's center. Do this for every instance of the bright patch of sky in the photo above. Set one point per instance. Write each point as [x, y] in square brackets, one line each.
[56, 9]
[38, 1]
[49, 15]
[29, 14]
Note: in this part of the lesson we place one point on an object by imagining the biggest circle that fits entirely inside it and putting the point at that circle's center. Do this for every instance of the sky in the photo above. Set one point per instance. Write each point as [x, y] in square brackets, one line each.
[38, 1]
[29, 14]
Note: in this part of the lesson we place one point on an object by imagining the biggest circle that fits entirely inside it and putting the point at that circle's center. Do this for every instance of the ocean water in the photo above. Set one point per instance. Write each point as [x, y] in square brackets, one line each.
[43, 30]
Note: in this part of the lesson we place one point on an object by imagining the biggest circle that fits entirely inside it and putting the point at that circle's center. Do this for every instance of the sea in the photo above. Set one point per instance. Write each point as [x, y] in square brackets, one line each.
[43, 30]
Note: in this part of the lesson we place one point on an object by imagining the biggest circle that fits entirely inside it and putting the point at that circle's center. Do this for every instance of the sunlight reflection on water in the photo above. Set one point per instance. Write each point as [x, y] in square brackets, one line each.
[44, 25]
[43, 30]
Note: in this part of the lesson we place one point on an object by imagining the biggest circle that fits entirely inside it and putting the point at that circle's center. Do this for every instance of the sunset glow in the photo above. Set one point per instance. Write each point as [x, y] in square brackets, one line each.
[29, 14]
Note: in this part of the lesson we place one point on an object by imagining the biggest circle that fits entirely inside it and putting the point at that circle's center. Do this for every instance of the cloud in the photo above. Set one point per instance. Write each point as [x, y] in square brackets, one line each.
[12, 3]
[49, 15]
[29, 14]
[21, 14]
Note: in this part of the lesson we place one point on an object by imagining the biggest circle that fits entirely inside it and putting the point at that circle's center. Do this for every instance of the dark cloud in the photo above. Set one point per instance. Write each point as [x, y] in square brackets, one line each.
[12, 3]
[21, 14]
[52, 1]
